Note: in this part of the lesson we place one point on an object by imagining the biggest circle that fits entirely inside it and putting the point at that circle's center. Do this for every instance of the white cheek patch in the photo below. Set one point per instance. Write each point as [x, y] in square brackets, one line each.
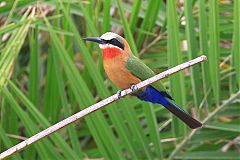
[103, 46]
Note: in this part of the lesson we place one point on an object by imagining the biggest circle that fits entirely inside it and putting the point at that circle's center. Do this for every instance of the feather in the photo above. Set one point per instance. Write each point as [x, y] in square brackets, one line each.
[156, 93]
[150, 94]
[142, 71]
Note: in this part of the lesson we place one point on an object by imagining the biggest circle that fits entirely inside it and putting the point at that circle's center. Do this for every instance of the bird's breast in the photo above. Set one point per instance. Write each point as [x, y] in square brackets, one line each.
[118, 73]
[111, 52]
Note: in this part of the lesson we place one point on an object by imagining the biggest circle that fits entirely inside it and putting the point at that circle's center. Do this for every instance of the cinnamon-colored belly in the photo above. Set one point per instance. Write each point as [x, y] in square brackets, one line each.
[118, 74]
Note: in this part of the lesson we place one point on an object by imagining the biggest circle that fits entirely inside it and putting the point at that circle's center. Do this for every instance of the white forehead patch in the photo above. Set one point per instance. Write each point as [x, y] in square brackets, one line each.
[109, 36]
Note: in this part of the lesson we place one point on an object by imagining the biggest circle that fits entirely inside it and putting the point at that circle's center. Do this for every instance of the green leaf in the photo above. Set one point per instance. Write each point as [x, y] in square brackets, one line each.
[224, 127]
[192, 52]
[127, 29]
[231, 155]
[236, 41]
[174, 58]
[214, 48]
[7, 142]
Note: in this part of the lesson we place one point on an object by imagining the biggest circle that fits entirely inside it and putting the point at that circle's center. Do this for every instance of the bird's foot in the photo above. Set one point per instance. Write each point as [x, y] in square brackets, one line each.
[134, 87]
[119, 94]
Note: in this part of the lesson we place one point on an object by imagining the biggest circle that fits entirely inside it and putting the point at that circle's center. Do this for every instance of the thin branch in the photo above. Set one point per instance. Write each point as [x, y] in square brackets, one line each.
[208, 118]
[151, 44]
[97, 106]
[16, 137]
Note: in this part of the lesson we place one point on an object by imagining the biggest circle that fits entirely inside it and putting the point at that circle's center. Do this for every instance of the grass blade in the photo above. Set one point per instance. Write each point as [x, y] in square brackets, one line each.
[174, 58]
[134, 16]
[210, 155]
[34, 67]
[44, 148]
[151, 13]
[7, 143]
[40, 119]
[214, 48]
[127, 29]
[12, 48]
[106, 16]
[236, 41]
[203, 38]
[192, 52]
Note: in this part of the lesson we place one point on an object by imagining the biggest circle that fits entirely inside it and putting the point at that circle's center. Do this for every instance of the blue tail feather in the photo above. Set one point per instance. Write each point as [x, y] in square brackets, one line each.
[150, 94]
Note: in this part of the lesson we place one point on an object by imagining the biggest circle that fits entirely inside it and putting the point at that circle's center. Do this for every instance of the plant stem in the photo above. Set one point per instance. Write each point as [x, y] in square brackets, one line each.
[97, 106]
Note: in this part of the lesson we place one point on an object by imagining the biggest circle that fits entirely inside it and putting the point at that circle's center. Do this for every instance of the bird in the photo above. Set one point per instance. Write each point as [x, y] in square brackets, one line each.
[126, 70]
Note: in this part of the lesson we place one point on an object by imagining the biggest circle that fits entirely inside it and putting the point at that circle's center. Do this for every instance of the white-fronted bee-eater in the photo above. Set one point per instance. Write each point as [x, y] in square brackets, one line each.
[125, 70]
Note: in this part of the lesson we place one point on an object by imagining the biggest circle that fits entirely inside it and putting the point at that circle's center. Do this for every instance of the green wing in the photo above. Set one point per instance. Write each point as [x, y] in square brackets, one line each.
[142, 71]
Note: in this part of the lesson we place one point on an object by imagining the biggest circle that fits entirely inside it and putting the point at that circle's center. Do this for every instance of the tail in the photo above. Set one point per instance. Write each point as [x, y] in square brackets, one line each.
[150, 94]
[183, 115]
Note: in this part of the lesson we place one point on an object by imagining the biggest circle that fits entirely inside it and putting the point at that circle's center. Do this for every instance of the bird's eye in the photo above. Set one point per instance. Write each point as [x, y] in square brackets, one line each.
[115, 42]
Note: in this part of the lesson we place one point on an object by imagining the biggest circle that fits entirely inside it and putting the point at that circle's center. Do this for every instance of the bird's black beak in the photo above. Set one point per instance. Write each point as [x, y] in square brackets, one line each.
[95, 39]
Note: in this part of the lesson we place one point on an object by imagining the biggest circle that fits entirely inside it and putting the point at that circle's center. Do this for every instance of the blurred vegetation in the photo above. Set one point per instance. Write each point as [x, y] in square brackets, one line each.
[47, 73]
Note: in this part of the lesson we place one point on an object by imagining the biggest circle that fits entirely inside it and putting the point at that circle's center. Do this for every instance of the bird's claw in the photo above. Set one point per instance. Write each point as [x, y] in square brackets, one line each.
[119, 94]
[134, 87]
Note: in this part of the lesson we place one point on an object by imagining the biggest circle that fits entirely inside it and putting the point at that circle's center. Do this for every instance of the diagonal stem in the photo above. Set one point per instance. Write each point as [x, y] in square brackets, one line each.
[97, 106]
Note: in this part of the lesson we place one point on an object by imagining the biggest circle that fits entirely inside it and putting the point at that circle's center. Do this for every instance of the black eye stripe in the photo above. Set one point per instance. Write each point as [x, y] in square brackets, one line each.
[115, 42]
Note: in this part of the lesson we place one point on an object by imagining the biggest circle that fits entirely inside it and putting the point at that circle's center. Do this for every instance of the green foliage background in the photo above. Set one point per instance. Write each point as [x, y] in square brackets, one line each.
[47, 73]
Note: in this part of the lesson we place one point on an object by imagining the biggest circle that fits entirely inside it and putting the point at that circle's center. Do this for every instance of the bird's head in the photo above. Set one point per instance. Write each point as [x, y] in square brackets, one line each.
[111, 44]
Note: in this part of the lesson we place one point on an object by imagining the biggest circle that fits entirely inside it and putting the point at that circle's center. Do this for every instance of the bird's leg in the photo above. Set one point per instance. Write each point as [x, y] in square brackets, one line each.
[134, 87]
[119, 94]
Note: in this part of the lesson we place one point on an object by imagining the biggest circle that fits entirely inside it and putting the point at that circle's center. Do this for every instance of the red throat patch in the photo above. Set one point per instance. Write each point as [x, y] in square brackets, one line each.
[109, 53]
